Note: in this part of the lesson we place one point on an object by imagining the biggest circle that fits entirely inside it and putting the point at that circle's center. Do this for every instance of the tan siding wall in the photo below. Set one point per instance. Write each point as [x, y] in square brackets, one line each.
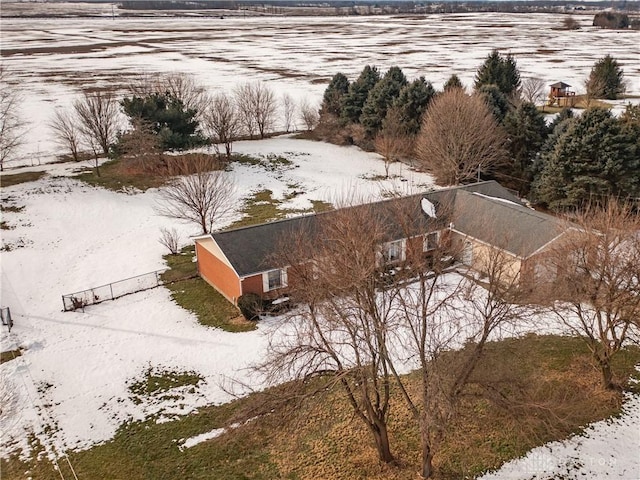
[482, 257]
[217, 273]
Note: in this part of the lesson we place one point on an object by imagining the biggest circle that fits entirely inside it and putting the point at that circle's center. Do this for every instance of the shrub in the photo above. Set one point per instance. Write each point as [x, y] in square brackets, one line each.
[612, 20]
[250, 306]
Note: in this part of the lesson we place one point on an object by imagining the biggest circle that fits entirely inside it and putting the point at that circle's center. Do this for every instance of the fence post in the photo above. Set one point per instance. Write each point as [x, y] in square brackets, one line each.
[111, 289]
[157, 278]
[5, 315]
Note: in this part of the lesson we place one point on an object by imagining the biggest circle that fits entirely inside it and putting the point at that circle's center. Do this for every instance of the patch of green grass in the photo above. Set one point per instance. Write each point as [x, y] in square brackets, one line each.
[9, 355]
[151, 451]
[321, 206]
[112, 177]
[181, 266]
[194, 294]
[550, 382]
[157, 381]
[377, 177]
[270, 162]
[18, 178]
[261, 207]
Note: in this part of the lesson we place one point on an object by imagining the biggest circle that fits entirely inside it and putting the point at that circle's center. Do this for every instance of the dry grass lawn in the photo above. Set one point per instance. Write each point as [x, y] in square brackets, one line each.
[552, 387]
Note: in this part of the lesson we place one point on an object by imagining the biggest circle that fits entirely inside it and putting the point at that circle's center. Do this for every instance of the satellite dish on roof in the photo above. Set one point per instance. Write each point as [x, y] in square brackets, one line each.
[428, 208]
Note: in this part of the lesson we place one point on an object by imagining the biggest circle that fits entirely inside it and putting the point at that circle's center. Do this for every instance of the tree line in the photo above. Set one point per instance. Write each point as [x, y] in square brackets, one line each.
[158, 113]
[171, 113]
[496, 131]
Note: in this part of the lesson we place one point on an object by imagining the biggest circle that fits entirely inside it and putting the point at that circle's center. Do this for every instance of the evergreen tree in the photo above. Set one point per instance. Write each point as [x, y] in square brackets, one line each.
[166, 117]
[334, 95]
[560, 118]
[452, 82]
[380, 98]
[412, 102]
[594, 156]
[527, 132]
[630, 120]
[358, 92]
[556, 129]
[606, 79]
[496, 101]
[502, 72]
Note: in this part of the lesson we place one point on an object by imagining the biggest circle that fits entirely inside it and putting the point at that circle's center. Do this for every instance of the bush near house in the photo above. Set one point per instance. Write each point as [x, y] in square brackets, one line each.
[251, 306]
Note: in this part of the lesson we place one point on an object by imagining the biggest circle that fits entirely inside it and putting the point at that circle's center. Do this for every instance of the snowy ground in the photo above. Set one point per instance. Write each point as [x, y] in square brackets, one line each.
[52, 59]
[71, 385]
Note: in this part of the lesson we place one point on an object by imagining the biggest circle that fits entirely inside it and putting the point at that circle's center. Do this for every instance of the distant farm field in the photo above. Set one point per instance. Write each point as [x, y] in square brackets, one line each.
[51, 60]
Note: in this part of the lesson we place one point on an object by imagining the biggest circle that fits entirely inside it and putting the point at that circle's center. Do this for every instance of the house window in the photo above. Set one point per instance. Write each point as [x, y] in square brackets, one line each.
[393, 251]
[274, 279]
[431, 241]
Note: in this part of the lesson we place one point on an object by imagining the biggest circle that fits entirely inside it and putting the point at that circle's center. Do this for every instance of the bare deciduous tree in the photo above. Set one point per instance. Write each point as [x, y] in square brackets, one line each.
[459, 139]
[12, 127]
[441, 312]
[99, 119]
[594, 88]
[170, 239]
[246, 118]
[222, 122]
[257, 106]
[309, 114]
[570, 23]
[289, 112]
[392, 142]
[142, 149]
[203, 198]
[66, 132]
[340, 334]
[532, 90]
[597, 291]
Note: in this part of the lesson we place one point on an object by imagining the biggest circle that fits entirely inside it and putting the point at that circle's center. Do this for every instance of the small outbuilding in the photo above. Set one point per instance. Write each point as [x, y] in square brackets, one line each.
[561, 96]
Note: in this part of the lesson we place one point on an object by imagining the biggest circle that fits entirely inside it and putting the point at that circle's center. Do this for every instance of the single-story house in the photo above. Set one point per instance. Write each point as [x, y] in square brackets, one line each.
[478, 217]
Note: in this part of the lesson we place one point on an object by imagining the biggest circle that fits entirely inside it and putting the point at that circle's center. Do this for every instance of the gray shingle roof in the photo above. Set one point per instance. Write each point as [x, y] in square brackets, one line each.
[509, 226]
[254, 249]
[560, 85]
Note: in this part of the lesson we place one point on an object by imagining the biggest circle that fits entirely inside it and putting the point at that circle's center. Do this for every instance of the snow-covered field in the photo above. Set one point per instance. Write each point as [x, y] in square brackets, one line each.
[53, 59]
[71, 385]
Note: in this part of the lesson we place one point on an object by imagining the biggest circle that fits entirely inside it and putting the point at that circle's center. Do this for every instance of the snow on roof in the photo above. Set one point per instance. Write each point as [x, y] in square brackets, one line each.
[496, 198]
